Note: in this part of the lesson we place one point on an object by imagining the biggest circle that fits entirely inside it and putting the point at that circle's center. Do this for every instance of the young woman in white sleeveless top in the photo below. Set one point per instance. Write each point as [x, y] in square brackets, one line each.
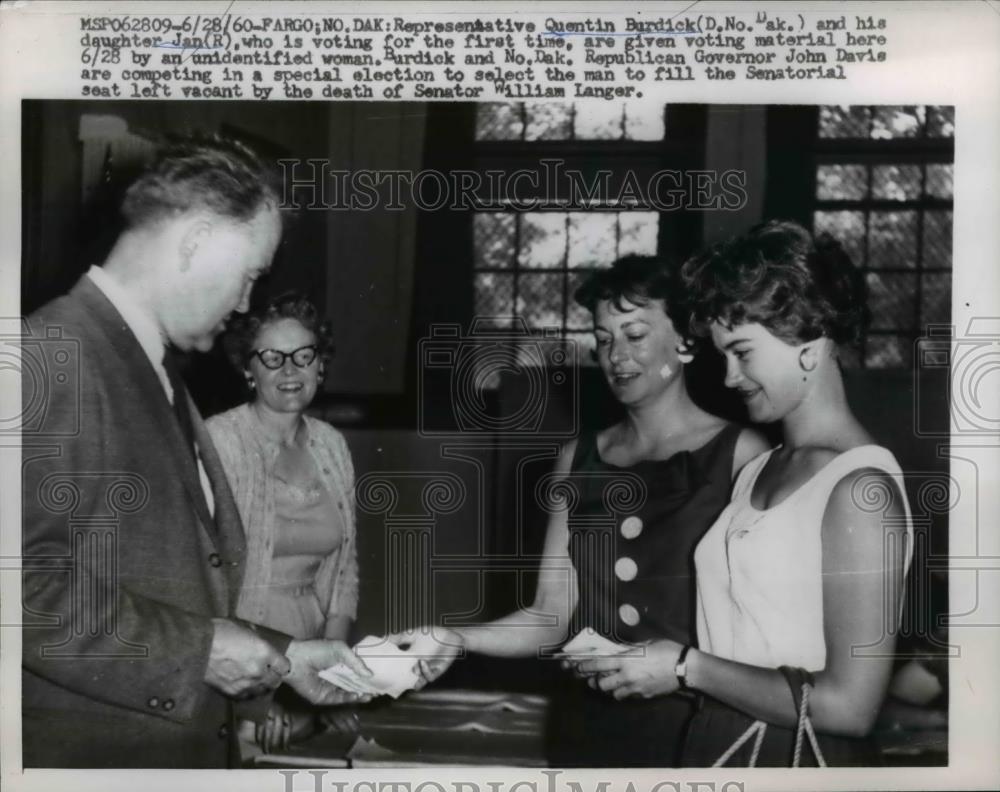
[805, 567]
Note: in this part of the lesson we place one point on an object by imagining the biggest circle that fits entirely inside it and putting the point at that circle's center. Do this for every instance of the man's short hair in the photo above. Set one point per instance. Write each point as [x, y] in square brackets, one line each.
[214, 174]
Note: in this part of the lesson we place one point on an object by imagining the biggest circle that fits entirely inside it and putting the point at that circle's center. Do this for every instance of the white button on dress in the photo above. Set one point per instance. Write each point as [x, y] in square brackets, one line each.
[631, 527]
[626, 569]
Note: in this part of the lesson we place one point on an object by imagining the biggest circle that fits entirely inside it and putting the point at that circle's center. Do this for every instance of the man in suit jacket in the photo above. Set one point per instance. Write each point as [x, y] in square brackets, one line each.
[133, 548]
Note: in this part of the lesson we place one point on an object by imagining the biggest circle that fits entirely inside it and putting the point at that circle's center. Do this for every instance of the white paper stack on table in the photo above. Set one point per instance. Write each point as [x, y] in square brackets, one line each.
[588, 643]
[393, 670]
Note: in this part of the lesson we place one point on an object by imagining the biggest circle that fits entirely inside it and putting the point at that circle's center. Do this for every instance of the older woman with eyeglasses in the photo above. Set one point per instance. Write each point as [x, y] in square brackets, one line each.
[293, 481]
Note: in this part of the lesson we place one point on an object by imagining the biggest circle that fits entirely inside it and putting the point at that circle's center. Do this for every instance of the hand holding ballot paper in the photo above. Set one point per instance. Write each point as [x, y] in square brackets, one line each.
[394, 670]
[622, 670]
[587, 644]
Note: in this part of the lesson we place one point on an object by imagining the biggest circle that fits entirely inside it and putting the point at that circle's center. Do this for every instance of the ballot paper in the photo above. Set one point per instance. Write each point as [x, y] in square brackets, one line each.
[394, 671]
[588, 643]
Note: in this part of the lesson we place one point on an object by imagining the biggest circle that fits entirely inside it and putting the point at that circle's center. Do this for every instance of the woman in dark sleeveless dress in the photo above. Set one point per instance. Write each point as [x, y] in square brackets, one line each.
[636, 580]
[629, 504]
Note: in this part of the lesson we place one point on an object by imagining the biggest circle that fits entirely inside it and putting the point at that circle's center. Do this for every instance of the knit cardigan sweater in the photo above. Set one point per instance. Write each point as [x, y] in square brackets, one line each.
[249, 458]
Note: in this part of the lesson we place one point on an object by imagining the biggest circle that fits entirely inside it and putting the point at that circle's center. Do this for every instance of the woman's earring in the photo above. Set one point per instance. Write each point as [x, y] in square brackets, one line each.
[684, 354]
[807, 362]
[250, 382]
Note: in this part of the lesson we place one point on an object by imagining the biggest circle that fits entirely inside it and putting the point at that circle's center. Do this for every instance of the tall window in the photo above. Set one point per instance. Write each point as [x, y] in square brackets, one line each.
[883, 187]
[528, 264]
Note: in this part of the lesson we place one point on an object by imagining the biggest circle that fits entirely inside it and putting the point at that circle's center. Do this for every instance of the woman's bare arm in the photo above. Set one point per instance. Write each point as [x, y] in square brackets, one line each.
[546, 622]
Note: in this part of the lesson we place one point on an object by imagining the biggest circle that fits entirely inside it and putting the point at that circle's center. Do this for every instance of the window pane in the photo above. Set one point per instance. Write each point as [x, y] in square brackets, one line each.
[579, 348]
[591, 239]
[577, 317]
[896, 182]
[940, 121]
[499, 121]
[888, 352]
[937, 239]
[892, 240]
[637, 233]
[540, 299]
[848, 228]
[562, 121]
[548, 120]
[891, 297]
[939, 180]
[493, 240]
[935, 300]
[543, 240]
[841, 182]
[494, 294]
[897, 122]
[644, 121]
[898, 240]
[844, 121]
[602, 121]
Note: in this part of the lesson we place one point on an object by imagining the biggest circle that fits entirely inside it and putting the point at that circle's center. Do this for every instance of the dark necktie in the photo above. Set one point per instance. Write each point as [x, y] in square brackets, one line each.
[180, 398]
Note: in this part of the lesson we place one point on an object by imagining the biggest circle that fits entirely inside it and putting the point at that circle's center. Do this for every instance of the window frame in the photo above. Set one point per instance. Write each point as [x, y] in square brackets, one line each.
[796, 197]
[679, 232]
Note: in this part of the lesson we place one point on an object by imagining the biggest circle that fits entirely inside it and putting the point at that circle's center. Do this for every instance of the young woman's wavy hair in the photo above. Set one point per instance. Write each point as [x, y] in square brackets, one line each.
[799, 287]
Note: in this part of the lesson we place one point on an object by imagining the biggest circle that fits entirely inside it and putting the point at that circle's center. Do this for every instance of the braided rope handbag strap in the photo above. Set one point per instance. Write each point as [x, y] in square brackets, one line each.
[800, 682]
[757, 727]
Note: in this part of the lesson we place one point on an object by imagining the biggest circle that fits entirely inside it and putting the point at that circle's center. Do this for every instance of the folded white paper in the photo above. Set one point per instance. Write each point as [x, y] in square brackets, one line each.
[393, 670]
[588, 643]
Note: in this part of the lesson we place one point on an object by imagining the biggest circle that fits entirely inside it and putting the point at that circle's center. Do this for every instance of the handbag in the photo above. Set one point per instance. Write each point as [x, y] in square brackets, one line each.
[800, 682]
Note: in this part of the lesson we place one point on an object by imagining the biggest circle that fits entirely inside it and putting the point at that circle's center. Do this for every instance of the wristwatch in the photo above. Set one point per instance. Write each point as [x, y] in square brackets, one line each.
[680, 668]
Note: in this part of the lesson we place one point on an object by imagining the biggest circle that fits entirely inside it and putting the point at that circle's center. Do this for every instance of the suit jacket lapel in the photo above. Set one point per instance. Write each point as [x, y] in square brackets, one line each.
[147, 383]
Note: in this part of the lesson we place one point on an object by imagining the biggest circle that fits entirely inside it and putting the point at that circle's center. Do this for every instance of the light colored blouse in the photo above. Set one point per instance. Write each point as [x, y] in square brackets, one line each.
[309, 522]
[249, 458]
[760, 572]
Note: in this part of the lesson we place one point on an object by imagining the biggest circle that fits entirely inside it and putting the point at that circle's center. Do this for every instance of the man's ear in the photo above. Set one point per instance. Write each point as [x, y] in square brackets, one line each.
[194, 234]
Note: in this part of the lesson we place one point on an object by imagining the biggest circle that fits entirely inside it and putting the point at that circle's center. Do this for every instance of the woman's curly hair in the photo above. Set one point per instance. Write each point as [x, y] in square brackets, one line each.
[244, 329]
[779, 276]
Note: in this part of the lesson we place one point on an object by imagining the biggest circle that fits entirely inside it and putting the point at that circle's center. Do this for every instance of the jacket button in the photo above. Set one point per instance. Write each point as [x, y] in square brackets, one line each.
[224, 731]
[153, 702]
[214, 560]
[168, 704]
